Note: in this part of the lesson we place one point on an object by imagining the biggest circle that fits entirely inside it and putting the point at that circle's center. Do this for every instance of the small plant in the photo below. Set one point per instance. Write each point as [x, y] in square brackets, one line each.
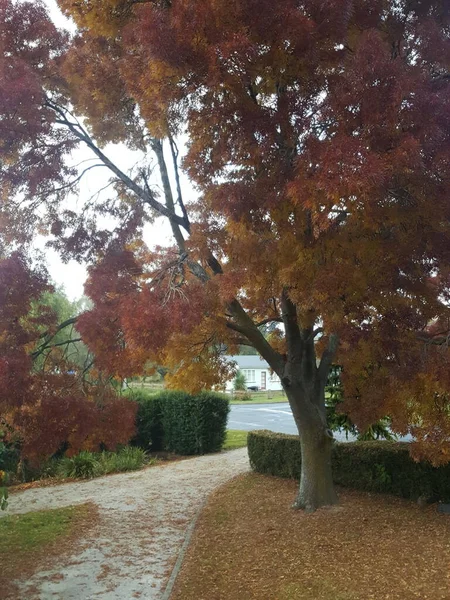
[82, 465]
[243, 396]
[130, 459]
[126, 459]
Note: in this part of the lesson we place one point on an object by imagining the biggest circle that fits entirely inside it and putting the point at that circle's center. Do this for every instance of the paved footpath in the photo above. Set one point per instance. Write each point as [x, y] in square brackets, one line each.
[143, 519]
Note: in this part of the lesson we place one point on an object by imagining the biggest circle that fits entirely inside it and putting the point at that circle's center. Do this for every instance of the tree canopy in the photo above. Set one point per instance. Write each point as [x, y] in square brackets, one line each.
[318, 139]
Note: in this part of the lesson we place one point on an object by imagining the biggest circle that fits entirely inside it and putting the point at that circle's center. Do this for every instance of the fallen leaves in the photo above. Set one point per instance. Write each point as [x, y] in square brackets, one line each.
[24, 558]
[249, 544]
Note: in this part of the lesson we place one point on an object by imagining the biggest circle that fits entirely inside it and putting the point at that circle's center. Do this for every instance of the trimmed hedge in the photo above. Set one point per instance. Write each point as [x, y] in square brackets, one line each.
[377, 466]
[149, 430]
[179, 422]
[194, 424]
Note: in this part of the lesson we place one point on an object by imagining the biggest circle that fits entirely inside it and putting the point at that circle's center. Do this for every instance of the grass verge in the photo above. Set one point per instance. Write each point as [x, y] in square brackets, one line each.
[262, 398]
[30, 540]
[250, 544]
[235, 439]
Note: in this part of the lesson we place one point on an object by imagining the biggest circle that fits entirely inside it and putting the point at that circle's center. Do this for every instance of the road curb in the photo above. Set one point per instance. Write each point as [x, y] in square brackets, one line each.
[182, 554]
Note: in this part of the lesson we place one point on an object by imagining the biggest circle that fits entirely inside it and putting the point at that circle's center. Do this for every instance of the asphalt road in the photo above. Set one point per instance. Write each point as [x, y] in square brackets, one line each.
[276, 417]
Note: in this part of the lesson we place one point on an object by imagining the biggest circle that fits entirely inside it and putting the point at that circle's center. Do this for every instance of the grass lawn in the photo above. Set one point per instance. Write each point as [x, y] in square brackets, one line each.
[249, 544]
[262, 398]
[28, 540]
[235, 439]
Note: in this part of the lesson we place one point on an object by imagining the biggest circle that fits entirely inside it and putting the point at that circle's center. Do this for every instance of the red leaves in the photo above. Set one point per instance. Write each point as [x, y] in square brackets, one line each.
[318, 138]
[62, 415]
[132, 322]
[48, 408]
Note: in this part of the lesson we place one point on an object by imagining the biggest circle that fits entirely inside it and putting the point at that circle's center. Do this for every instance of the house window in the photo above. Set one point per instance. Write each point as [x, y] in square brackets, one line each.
[249, 375]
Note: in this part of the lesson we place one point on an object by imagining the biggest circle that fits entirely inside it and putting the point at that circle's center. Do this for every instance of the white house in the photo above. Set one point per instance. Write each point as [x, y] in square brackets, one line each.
[257, 373]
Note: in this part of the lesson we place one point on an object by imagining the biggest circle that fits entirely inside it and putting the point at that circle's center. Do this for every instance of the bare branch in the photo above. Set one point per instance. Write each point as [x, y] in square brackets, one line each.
[269, 320]
[143, 194]
[174, 151]
[158, 150]
[45, 347]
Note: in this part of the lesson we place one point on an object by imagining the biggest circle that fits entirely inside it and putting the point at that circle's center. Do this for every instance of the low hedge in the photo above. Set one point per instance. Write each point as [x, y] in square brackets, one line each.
[377, 466]
[180, 422]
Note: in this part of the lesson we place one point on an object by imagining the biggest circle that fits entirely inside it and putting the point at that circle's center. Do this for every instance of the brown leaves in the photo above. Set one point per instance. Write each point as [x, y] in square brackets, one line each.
[249, 544]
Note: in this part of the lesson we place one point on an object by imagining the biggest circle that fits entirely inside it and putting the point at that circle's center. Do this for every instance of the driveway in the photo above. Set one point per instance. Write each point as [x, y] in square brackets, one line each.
[143, 519]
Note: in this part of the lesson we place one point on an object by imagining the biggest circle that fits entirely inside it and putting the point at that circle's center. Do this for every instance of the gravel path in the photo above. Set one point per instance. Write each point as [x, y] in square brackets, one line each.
[143, 521]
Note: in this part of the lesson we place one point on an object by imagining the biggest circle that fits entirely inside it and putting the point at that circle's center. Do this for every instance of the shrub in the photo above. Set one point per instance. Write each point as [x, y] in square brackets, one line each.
[82, 465]
[377, 466]
[9, 457]
[125, 459]
[193, 424]
[180, 422]
[149, 432]
[212, 419]
[243, 396]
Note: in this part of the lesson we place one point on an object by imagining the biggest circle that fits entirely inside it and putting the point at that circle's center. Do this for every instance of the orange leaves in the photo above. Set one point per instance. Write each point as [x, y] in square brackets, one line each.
[103, 16]
[318, 139]
[98, 92]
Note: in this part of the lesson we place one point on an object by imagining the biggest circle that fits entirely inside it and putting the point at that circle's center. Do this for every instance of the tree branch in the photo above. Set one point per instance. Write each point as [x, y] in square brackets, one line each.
[291, 328]
[328, 356]
[143, 194]
[244, 324]
[174, 152]
[269, 320]
[45, 347]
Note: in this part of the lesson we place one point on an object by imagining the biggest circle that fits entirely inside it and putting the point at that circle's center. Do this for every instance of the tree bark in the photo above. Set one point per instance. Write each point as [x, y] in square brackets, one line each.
[316, 440]
[316, 481]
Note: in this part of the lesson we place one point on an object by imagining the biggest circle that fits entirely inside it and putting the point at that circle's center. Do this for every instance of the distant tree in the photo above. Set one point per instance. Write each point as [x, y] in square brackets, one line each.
[248, 351]
[240, 383]
[67, 339]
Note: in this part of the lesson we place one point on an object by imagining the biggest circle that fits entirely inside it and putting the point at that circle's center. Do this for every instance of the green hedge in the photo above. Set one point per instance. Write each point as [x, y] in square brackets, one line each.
[194, 424]
[377, 466]
[149, 431]
[179, 422]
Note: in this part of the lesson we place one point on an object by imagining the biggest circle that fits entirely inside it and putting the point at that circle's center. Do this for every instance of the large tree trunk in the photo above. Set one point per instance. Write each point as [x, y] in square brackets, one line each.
[316, 440]
[316, 481]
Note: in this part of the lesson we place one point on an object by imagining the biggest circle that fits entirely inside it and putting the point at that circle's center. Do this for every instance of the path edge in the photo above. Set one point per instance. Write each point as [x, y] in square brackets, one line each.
[182, 553]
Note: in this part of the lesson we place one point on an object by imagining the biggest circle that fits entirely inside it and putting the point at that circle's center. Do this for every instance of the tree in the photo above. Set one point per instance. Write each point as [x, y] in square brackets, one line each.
[240, 383]
[49, 408]
[318, 140]
[66, 338]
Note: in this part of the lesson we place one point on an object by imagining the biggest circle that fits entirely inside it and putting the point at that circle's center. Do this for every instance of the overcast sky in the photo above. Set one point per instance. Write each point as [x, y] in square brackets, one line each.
[73, 275]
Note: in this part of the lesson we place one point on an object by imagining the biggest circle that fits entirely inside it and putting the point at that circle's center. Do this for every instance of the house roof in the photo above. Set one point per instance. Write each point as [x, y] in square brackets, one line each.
[244, 361]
